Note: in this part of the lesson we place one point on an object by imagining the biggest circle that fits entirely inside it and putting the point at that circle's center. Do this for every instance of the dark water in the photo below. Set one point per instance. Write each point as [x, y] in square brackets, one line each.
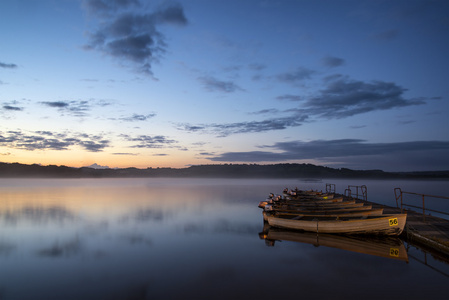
[189, 239]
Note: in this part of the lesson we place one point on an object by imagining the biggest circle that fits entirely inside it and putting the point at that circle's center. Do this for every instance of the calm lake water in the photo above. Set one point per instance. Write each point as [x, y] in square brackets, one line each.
[191, 239]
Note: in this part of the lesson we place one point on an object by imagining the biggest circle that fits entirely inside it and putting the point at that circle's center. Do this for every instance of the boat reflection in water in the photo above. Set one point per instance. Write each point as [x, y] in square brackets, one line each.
[388, 247]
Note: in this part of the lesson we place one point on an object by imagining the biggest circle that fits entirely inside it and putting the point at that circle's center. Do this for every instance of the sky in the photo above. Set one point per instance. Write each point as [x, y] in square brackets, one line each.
[132, 83]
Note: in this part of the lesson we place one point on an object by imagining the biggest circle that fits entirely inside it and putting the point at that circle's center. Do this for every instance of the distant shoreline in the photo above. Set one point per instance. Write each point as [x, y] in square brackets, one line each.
[281, 171]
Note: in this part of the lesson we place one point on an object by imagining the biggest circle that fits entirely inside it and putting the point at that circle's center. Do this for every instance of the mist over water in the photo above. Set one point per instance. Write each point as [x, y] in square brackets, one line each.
[187, 238]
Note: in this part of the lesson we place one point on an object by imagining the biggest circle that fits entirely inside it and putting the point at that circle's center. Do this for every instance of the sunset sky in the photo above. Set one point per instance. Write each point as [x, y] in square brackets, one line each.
[133, 83]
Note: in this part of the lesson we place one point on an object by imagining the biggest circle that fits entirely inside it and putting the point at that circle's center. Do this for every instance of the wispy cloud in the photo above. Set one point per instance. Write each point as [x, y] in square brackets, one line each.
[296, 76]
[340, 98]
[344, 97]
[332, 61]
[324, 149]
[214, 85]
[137, 117]
[46, 140]
[290, 97]
[267, 111]
[147, 141]
[78, 108]
[12, 108]
[129, 32]
[226, 129]
[7, 65]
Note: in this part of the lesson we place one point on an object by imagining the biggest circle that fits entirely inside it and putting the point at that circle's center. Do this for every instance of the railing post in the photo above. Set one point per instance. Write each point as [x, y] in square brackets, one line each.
[396, 196]
[399, 194]
[423, 209]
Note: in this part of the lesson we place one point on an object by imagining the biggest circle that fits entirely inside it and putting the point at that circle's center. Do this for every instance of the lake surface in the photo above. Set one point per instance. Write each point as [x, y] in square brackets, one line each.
[191, 239]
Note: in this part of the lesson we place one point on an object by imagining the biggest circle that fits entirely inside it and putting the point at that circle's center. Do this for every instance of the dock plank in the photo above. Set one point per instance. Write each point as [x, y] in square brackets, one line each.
[429, 231]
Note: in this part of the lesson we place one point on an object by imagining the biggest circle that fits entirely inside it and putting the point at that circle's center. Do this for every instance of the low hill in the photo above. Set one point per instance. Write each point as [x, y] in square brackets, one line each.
[15, 170]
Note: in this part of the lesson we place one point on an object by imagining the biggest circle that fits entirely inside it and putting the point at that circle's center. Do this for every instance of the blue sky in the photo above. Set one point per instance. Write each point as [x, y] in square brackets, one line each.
[356, 84]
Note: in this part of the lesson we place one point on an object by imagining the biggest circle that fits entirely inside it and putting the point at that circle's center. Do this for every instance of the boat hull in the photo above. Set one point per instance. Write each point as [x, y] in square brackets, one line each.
[382, 225]
[341, 214]
[388, 247]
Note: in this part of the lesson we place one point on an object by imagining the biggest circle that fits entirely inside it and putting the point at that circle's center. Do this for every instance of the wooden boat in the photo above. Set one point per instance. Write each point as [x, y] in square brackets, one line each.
[314, 200]
[271, 207]
[309, 193]
[277, 200]
[330, 210]
[383, 225]
[315, 203]
[388, 247]
[326, 213]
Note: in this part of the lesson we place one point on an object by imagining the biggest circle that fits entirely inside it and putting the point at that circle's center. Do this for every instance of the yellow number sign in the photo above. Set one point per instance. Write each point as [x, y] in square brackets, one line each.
[394, 252]
[393, 222]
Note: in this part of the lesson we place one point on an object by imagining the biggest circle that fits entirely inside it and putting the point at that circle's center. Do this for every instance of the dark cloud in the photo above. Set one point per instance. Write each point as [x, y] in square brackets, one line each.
[341, 150]
[12, 108]
[257, 67]
[357, 126]
[132, 35]
[296, 76]
[137, 117]
[147, 141]
[58, 104]
[226, 129]
[124, 153]
[332, 61]
[265, 111]
[215, 85]
[7, 66]
[340, 98]
[94, 146]
[343, 98]
[78, 108]
[290, 97]
[44, 140]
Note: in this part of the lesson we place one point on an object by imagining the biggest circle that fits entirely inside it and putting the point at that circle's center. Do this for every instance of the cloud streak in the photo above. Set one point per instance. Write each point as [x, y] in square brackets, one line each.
[223, 130]
[130, 33]
[12, 108]
[343, 97]
[340, 98]
[138, 117]
[79, 108]
[214, 85]
[332, 61]
[342, 149]
[149, 142]
[7, 66]
[45, 140]
[297, 76]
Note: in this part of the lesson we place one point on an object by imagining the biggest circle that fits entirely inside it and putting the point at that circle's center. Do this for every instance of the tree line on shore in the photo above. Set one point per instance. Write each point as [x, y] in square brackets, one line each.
[15, 170]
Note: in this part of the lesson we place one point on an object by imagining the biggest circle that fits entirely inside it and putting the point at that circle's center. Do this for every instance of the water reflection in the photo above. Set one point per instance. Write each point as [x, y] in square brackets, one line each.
[38, 215]
[388, 247]
[145, 215]
[6, 248]
[64, 249]
[173, 239]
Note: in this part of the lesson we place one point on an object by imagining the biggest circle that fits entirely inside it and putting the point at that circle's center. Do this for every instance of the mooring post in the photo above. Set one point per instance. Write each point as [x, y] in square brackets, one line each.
[423, 209]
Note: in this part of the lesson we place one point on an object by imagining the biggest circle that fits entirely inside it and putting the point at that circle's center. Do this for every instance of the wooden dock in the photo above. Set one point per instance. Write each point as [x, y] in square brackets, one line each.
[429, 231]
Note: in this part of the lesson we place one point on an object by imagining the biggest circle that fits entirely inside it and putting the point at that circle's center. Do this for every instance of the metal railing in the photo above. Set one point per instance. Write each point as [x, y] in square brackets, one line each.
[398, 195]
[360, 192]
[330, 188]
